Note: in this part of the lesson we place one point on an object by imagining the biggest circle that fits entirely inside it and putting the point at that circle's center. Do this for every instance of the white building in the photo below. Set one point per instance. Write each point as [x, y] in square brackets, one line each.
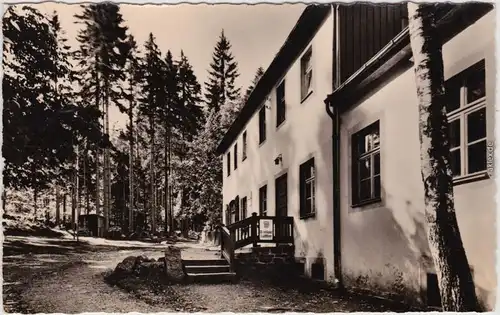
[279, 158]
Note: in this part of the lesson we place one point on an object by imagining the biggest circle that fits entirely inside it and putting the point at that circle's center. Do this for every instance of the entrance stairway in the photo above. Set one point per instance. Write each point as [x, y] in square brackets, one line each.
[208, 271]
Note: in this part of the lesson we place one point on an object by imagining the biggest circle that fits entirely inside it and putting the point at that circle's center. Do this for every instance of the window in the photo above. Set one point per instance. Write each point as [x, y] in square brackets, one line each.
[236, 156]
[366, 165]
[243, 208]
[281, 190]
[281, 105]
[466, 113]
[262, 124]
[236, 210]
[263, 200]
[244, 146]
[307, 189]
[306, 73]
[228, 163]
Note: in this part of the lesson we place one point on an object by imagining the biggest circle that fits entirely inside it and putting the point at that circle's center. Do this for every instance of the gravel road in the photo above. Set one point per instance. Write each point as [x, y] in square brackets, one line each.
[59, 276]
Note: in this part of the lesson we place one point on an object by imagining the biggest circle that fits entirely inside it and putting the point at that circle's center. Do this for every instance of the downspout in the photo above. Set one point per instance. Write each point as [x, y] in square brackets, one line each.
[333, 112]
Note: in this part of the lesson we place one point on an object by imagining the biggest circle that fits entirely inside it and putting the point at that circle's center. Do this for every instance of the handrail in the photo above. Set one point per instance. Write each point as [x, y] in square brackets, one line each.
[247, 231]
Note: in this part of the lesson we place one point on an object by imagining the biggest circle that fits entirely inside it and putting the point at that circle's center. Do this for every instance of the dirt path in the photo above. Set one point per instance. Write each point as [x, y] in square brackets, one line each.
[44, 276]
[53, 277]
[82, 289]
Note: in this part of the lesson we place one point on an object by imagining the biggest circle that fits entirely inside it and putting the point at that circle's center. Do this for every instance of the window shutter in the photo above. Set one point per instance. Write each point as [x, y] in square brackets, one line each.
[302, 187]
[228, 215]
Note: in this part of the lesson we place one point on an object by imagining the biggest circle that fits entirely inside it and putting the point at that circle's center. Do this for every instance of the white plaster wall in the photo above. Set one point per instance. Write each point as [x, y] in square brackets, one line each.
[305, 133]
[384, 245]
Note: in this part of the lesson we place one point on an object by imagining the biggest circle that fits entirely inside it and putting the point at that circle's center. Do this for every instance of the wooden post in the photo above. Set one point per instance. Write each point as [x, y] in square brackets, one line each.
[253, 229]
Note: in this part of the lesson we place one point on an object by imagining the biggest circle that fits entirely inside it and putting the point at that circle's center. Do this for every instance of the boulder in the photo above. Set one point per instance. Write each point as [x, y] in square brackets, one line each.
[129, 263]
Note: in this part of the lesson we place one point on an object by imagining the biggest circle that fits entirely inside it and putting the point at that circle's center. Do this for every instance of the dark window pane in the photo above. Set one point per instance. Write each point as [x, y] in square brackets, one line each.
[477, 157]
[308, 190]
[455, 162]
[363, 143]
[454, 130]
[452, 91]
[308, 206]
[364, 168]
[376, 164]
[376, 187]
[365, 190]
[476, 125]
[476, 85]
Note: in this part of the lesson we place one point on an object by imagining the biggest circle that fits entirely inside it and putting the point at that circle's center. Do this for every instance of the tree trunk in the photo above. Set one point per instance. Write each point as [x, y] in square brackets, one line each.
[97, 150]
[4, 200]
[58, 206]
[107, 171]
[152, 176]
[64, 208]
[166, 170]
[131, 167]
[454, 275]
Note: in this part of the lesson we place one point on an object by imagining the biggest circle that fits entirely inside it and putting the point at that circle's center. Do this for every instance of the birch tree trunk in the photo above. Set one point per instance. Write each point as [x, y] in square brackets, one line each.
[453, 272]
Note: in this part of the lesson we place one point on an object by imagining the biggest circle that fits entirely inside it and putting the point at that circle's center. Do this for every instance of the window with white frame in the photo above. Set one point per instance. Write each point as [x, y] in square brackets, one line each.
[365, 165]
[466, 113]
[307, 189]
[244, 153]
[306, 73]
[263, 200]
[280, 104]
[243, 208]
[262, 124]
[235, 156]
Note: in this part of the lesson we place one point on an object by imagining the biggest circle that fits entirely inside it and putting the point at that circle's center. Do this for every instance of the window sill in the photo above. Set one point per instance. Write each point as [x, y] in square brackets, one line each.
[308, 216]
[471, 178]
[366, 203]
[306, 97]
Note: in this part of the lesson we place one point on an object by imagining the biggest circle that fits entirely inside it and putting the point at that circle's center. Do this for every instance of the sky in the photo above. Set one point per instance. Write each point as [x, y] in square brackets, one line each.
[256, 33]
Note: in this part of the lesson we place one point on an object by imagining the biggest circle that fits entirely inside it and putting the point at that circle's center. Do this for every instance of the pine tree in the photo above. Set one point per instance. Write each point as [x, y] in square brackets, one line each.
[189, 98]
[258, 75]
[220, 87]
[102, 55]
[151, 103]
[133, 74]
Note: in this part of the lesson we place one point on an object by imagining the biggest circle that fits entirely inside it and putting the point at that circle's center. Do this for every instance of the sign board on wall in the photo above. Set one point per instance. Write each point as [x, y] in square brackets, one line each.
[266, 229]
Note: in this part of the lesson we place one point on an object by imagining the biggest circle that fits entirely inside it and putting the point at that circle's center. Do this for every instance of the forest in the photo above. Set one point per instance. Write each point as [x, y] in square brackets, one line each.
[62, 160]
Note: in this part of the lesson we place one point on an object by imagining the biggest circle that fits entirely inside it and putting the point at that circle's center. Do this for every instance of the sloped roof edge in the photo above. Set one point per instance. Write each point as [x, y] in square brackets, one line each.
[306, 27]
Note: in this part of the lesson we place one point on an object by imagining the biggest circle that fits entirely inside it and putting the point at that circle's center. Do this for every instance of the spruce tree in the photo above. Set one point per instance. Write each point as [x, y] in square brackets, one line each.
[102, 55]
[151, 103]
[258, 75]
[189, 98]
[220, 87]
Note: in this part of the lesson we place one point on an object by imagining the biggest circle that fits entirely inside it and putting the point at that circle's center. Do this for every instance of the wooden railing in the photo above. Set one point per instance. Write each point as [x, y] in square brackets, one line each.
[248, 231]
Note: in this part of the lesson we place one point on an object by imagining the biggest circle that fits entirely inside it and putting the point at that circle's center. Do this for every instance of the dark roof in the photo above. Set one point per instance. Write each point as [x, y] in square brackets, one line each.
[451, 20]
[298, 39]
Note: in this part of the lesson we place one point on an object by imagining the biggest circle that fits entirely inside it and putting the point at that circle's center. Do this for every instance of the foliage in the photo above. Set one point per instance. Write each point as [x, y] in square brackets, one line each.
[258, 75]
[37, 101]
[220, 87]
[201, 174]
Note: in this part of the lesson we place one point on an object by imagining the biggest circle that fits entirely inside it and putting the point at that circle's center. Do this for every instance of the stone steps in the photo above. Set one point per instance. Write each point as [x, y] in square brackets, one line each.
[208, 271]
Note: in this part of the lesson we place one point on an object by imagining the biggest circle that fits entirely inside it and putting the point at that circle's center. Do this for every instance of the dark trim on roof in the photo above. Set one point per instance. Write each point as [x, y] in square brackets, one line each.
[452, 19]
[301, 35]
